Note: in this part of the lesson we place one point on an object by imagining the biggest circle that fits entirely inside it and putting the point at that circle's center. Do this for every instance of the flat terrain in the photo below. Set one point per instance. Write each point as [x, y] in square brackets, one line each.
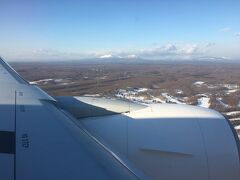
[208, 84]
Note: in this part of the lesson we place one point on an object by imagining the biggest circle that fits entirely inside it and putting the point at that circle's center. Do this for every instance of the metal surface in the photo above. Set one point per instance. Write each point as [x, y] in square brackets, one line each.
[47, 144]
[171, 141]
[81, 107]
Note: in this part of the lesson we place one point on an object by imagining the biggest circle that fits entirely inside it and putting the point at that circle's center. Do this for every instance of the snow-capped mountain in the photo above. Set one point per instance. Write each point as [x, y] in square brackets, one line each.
[129, 56]
[106, 56]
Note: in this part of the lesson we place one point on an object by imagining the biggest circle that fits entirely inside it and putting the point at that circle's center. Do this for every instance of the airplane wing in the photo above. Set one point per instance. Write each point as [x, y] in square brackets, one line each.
[68, 138]
[38, 141]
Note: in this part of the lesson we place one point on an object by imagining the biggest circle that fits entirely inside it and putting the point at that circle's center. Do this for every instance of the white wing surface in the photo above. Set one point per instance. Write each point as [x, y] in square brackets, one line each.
[39, 141]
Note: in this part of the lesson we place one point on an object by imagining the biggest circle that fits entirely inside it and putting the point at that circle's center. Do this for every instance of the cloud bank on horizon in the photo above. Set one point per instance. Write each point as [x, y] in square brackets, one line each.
[204, 51]
[164, 30]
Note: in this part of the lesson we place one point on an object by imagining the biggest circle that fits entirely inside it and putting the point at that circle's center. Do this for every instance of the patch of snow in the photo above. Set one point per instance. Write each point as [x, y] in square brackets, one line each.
[33, 82]
[232, 113]
[58, 80]
[222, 103]
[131, 56]
[231, 91]
[130, 97]
[140, 90]
[170, 99]
[133, 95]
[178, 91]
[157, 100]
[198, 83]
[40, 81]
[234, 119]
[92, 95]
[237, 127]
[230, 86]
[64, 84]
[104, 77]
[123, 92]
[204, 102]
[211, 86]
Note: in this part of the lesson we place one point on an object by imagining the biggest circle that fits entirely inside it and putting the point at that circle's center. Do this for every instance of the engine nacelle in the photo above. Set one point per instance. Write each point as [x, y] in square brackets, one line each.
[168, 141]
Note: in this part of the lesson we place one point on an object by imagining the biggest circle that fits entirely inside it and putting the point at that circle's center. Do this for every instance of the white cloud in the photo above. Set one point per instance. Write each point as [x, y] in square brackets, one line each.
[169, 47]
[228, 50]
[225, 29]
[238, 34]
[189, 49]
[132, 56]
[170, 51]
[164, 52]
[210, 44]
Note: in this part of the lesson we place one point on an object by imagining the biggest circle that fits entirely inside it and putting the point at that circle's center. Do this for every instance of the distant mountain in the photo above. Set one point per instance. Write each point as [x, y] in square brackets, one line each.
[106, 56]
[110, 56]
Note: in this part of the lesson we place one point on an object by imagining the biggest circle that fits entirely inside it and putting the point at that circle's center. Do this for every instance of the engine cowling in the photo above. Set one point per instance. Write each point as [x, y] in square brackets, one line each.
[169, 141]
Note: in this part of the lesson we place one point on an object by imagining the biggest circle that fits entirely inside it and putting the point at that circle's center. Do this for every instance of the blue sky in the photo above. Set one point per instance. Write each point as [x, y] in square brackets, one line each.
[151, 29]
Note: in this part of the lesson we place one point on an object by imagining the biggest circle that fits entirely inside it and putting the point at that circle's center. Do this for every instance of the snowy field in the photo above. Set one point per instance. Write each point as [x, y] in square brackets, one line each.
[144, 95]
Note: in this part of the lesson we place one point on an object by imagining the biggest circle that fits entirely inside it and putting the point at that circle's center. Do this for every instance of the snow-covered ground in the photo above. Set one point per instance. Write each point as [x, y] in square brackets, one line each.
[227, 86]
[237, 127]
[132, 94]
[103, 77]
[63, 82]
[143, 95]
[198, 83]
[58, 80]
[92, 95]
[230, 88]
[44, 81]
[233, 113]
[179, 91]
[137, 94]
[140, 90]
[231, 91]
[222, 103]
[234, 119]
[171, 99]
[204, 102]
